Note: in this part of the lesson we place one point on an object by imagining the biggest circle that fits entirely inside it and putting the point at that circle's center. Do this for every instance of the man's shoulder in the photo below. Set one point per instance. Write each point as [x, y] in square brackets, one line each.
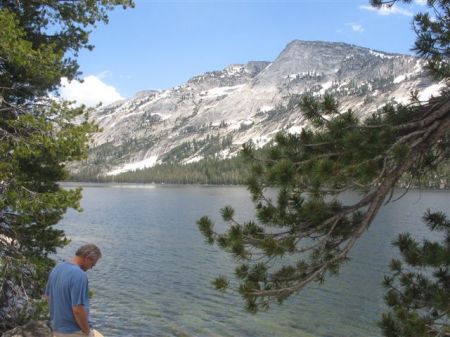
[71, 269]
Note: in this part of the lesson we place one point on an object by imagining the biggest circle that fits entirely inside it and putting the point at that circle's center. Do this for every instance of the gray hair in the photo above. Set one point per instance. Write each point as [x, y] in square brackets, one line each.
[89, 250]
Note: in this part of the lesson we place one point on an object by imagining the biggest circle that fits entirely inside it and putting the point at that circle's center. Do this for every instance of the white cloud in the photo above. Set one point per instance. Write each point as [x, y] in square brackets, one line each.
[387, 10]
[356, 27]
[89, 92]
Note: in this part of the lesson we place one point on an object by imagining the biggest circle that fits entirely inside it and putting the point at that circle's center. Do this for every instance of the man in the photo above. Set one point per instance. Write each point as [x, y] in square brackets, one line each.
[67, 293]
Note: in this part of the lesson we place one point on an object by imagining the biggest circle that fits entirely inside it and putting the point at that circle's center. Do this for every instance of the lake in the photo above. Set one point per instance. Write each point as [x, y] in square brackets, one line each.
[155, 275]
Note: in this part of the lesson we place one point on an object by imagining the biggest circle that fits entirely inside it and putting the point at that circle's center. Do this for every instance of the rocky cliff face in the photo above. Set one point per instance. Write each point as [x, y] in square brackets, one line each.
[215, 113]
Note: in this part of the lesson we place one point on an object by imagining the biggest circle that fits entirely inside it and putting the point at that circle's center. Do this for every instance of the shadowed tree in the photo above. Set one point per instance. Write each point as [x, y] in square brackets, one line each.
[418, 291]
[305, 233]
[39, 41]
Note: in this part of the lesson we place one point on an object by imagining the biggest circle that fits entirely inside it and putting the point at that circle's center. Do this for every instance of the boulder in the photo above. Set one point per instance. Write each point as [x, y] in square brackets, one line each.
[31, 329]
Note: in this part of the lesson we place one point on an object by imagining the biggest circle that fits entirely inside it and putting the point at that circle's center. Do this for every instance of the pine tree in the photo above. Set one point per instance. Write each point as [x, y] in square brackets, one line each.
[38, 136]
[418, 294]
[306, 233]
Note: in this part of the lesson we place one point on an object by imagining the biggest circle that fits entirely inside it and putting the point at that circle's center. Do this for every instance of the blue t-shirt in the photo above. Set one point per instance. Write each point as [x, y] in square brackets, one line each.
[67, 286]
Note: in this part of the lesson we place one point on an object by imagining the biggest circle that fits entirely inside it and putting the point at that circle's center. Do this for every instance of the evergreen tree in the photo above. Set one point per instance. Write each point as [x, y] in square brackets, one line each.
[306, 233]
[39, 41]
[419, 293]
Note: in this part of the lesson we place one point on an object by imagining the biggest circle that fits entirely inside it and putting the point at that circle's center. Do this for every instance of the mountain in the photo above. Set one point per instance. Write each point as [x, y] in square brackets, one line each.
[213, 114]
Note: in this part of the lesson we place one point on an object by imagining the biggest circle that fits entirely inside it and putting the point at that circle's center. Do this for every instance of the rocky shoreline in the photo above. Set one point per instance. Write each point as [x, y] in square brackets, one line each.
[31, 329]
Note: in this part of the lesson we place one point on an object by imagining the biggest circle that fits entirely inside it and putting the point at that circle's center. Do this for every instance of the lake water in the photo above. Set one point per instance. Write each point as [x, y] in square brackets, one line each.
[155, 275]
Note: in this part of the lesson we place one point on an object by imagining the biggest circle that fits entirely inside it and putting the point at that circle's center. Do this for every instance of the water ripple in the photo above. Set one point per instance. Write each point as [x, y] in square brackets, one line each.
[155, 275]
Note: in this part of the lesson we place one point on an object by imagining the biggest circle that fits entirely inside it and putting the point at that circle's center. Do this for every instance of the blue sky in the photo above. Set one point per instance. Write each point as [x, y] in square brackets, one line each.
[161, 44]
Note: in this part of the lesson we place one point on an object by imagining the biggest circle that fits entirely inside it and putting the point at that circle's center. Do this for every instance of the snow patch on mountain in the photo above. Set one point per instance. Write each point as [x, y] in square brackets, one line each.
[431, 91]
[225, 154]
[193, 159]
[261, 141]
[266, 108]
[399, 79]
[148, 162]
[219, 91]
[378, 54]
[325, 86]
[295, 130]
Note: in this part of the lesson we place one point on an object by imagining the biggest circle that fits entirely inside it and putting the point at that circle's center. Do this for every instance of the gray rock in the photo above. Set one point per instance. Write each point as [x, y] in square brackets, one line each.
[31, 329]
[214, 113]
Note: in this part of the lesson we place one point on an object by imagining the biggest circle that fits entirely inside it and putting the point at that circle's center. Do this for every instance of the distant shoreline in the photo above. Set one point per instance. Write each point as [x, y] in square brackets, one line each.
[152, 185]
[120, 184]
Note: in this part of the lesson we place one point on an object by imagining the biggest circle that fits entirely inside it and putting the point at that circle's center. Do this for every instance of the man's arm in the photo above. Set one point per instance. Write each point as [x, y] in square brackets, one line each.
[82, 318]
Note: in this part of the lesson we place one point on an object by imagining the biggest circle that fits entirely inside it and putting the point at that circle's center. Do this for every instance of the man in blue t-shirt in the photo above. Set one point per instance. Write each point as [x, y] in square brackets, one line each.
[67, 293]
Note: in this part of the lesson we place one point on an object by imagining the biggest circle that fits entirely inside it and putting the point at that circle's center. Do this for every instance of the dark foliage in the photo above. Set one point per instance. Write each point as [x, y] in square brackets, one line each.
[37, 137]
[418, 290]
